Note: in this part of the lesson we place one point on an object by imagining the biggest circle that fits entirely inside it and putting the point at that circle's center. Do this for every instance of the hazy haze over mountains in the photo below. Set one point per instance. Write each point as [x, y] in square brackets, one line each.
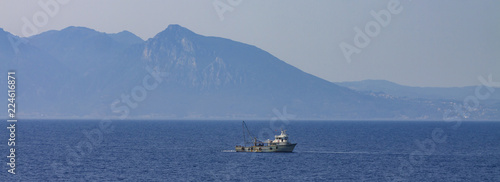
[81, 73]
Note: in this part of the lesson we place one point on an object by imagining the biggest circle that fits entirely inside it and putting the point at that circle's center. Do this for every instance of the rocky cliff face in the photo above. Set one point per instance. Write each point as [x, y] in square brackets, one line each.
[187, 61]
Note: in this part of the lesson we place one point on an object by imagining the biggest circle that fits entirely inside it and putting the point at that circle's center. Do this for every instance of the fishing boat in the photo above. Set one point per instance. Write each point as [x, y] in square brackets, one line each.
[279, 144]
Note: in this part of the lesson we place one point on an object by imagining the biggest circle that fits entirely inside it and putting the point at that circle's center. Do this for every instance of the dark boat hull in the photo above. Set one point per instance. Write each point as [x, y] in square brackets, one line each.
[270, 148]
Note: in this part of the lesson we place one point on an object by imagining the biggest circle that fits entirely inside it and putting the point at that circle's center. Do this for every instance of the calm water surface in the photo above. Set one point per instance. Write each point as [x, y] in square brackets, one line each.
[59, 150]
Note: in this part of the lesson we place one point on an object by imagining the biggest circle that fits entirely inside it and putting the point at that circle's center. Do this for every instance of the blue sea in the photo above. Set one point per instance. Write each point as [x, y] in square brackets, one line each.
[78, 150]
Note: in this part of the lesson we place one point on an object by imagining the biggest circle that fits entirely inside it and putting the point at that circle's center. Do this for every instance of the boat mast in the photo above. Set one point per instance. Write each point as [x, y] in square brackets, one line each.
[243, 130]
[244, 125]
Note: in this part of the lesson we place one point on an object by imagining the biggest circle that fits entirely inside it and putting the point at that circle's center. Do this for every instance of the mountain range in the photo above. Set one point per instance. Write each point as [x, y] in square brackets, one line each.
[384, 86]
[78, 72]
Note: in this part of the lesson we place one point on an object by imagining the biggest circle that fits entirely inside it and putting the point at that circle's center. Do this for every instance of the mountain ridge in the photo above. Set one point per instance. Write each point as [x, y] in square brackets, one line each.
[452, 93]
[206, 77]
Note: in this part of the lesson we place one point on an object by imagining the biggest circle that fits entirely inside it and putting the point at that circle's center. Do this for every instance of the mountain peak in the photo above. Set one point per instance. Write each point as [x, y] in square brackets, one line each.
[177, 27]
[175, 30]
[80, 31]
[125, 32]
[77, 28]
[126, 37]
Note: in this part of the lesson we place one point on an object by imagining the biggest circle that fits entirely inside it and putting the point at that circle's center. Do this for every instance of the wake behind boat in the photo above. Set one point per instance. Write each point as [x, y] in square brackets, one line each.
[279, 144]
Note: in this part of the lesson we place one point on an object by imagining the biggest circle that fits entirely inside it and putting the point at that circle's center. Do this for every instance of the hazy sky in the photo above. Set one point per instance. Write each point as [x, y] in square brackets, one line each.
[425, 43]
